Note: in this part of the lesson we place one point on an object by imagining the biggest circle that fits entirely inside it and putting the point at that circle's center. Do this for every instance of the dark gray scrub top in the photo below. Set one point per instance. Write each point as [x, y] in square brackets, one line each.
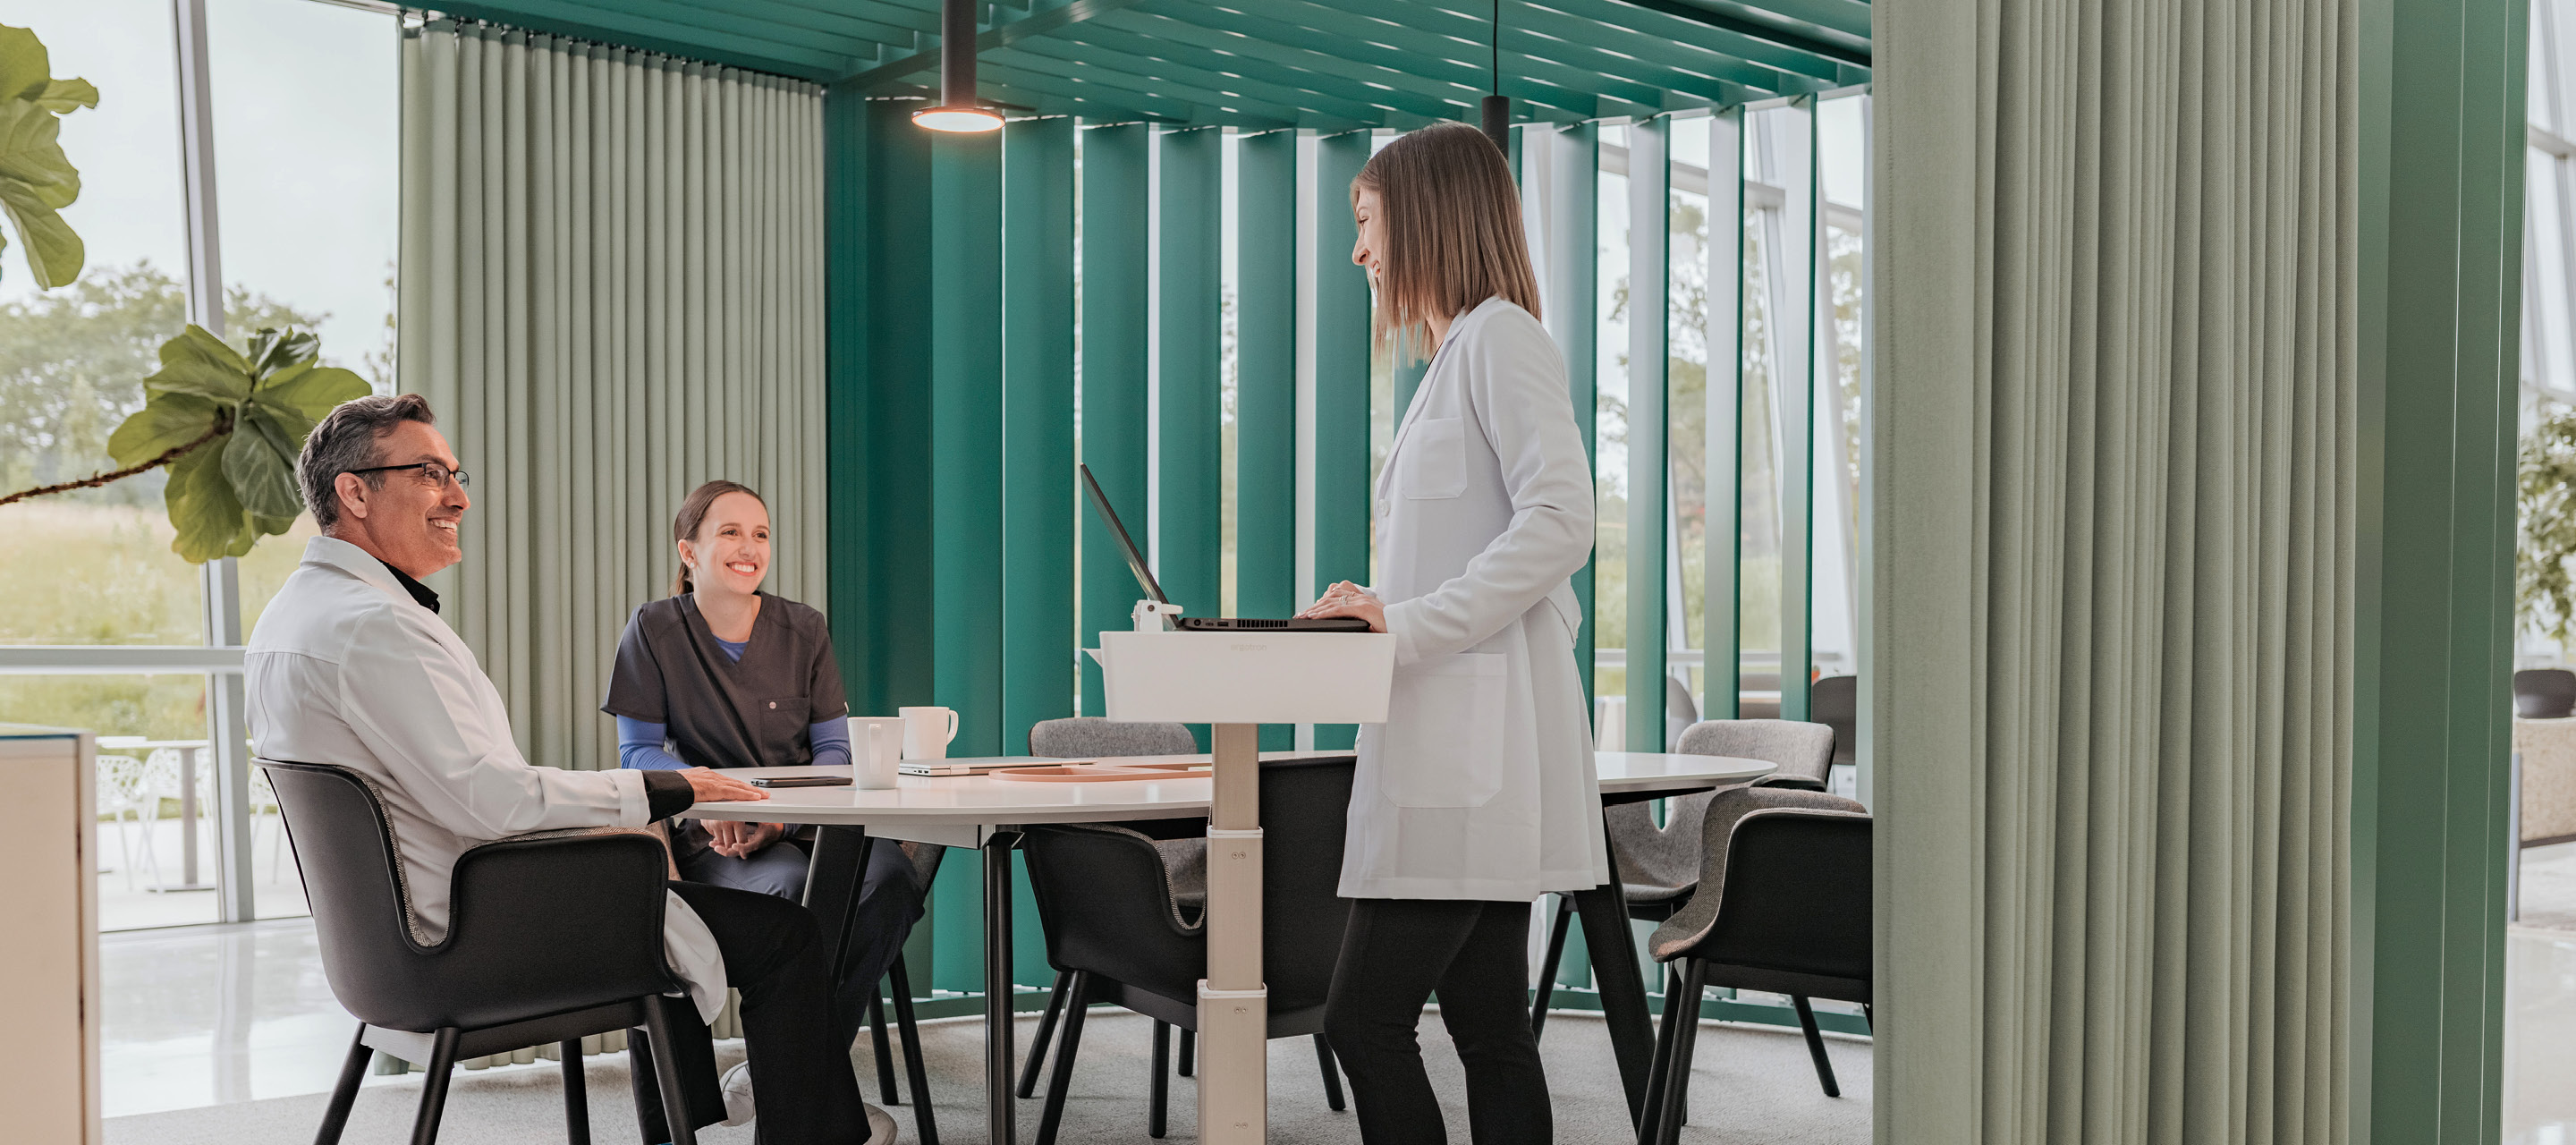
[722, 713]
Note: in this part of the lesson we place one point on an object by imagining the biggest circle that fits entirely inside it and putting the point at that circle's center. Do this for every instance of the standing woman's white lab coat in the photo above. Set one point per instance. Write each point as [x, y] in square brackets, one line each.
[1479, 785]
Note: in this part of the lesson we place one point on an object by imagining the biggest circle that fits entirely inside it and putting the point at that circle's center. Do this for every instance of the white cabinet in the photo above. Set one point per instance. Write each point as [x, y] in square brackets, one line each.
[49, 1072]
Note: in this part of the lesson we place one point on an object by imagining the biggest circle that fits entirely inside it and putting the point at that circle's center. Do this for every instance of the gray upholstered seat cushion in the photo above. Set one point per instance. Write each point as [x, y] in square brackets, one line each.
[1662, 863]
[1086, 737]
[1691, 923]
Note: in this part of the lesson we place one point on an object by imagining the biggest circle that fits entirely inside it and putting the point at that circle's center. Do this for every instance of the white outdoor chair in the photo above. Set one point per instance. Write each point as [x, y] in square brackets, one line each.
[121, 793]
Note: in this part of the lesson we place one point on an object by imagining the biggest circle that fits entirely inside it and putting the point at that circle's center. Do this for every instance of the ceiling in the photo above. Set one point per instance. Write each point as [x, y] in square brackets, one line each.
[1324, 64]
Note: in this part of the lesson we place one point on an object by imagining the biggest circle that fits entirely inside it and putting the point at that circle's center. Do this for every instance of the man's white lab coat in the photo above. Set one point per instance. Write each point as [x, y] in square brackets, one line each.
[1479, 785]
[347, 669]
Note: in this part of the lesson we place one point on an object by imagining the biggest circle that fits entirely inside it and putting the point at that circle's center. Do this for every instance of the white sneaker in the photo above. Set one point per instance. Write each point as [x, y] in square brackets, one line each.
[880, 1126]
[737, 1095]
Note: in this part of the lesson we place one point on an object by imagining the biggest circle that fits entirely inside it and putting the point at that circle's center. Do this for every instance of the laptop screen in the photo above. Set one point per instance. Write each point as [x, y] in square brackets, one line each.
[1109, 516]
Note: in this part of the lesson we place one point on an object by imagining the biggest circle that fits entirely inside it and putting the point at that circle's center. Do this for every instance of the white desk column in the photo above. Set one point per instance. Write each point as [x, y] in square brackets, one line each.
[1234, 1002]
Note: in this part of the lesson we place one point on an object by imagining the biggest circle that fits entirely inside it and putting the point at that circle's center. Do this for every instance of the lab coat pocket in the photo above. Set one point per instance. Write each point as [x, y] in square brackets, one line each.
[1433, 461]
[1444, 732]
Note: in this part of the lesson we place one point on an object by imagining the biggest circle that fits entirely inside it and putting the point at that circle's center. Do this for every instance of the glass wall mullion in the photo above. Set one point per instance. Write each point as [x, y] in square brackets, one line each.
[1649, 290]
[1722, 628]
[227, 732]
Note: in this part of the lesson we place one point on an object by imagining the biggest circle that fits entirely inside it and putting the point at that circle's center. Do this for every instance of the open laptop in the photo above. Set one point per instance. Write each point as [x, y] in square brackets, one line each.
[1154, 591]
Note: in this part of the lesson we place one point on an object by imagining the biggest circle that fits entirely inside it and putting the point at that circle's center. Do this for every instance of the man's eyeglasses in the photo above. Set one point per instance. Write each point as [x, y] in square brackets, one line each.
[430, 471]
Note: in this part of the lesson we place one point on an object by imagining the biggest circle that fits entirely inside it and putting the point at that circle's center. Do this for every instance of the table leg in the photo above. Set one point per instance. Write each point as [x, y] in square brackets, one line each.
[1000, 1114]
[835, 875]
[188, 817]
[1604, 912]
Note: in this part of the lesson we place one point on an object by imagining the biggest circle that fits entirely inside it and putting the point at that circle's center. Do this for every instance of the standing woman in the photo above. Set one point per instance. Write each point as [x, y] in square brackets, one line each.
[721, 674]
[1477, 793]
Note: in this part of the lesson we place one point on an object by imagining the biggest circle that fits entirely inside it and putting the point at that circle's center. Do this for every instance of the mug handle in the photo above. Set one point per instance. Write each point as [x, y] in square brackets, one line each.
[952, 727]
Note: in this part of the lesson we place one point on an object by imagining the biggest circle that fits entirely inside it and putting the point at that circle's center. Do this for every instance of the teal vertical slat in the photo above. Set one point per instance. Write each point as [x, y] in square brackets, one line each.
[1037, 426]
[1265, 384]
[1649, 291]
[893, 662]
[1189, 538]
[1573, 314]
[955, 920]
[1342, 494]
[1723, 538]
[1114, 196]
[966, 435]
[1795, 391]
[846, 236]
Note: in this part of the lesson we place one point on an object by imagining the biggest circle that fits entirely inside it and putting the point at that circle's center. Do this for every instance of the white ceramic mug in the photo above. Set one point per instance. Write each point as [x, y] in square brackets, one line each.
[926, 732]
[876, 751]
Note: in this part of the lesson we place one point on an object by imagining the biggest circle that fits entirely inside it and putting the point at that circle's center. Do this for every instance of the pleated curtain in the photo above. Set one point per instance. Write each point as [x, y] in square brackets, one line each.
[611, 290]
[2113, 551]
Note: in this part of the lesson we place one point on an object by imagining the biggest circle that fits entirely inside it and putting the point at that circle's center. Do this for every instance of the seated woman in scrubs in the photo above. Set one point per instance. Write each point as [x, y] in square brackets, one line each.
[721, 674]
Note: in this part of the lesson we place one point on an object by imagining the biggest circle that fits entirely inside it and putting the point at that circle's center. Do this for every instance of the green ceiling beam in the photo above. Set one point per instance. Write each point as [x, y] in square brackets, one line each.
[1041, 17]
[613, 25]
[1397, 61]
[1091, 64]
[1809, 58]
[1374, 84]
[1823, 28]
[1604, 49]
[1127, 51]
[1120, 96]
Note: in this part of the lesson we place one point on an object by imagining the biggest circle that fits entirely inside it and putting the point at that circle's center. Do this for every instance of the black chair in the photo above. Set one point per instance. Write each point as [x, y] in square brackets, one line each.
[1117, 932]
[1835, 703]
[505, 977]
[1784, 907]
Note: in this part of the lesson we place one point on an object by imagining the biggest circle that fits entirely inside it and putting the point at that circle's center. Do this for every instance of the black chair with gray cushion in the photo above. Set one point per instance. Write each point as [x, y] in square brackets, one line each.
[551, 938]
[1659, 864]
[925, 859]
[1117, 932]
[1784, 907]
[1835, 703]
[2544, 693]
[1182, 842]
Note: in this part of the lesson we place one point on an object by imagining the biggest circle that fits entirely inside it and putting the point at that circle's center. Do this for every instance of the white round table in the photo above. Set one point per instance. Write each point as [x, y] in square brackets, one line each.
[984, 812]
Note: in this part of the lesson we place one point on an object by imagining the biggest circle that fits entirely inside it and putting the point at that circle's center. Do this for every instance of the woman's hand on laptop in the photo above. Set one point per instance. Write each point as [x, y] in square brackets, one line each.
[1347, 599]
[713, 787]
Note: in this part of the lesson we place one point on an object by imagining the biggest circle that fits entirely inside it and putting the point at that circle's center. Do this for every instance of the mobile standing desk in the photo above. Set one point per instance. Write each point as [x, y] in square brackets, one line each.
[1236, 682]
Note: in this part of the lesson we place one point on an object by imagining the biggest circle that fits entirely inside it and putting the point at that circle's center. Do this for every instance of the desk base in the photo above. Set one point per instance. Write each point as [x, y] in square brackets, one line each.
[1234, 1065]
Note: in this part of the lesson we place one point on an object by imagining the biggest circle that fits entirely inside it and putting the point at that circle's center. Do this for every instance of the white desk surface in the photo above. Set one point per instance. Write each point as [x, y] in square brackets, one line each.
[956, 810]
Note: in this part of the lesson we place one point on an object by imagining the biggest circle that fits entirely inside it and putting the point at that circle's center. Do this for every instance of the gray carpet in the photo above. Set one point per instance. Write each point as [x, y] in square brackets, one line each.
[1750, 1086]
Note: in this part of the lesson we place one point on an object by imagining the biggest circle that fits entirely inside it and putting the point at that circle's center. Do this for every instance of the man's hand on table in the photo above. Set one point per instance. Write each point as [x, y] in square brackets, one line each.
[712, 787]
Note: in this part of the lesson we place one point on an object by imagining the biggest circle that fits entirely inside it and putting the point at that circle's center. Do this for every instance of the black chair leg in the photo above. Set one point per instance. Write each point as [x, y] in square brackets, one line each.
[1159, 1096]
[353, 1070]
[1046, 1030]
[675, 1106]
[1189, 1053]
[1332, 1074]
[644, 1081]
[915, 1073]
[1067, 1044]
[1547, 966]
[1657, 1066]
[1685, 1047]
[878, 1042]
[576, 1093]
[1868, 1018]
[1816, 1045]
[433, 1092]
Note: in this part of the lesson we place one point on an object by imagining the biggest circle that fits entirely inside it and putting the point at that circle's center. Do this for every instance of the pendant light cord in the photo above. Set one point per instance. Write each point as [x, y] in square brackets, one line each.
[1498, 47]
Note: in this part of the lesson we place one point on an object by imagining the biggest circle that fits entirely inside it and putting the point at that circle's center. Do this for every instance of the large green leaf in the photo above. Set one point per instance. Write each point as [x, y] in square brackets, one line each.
[197, 362]
[36, 179]
[203, 509]
[166, 422]
[309, 391]
[261, 467]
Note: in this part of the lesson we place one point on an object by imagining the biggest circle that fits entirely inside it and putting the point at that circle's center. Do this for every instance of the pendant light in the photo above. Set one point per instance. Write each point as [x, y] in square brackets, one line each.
[958, 108]
[1497, 106]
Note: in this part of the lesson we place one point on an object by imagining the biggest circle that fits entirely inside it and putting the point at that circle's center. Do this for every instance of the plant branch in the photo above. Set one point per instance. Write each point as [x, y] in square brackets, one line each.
[174, 453]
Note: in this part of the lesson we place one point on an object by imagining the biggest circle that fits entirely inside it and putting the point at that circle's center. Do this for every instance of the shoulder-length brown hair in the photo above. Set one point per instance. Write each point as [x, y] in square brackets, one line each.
[1453, 230]
[693, 514]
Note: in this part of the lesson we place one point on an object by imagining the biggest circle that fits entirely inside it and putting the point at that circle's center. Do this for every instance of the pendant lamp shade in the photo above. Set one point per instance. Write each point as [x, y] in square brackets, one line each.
[958, 109]
[1497, 108]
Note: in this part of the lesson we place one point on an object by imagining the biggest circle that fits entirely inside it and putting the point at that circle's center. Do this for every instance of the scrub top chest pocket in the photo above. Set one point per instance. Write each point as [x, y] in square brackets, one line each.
[1444, 744]
[782, 723]
[1432, 464]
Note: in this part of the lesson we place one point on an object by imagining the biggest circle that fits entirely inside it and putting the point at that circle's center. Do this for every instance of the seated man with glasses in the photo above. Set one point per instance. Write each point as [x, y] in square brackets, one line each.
[351, 666]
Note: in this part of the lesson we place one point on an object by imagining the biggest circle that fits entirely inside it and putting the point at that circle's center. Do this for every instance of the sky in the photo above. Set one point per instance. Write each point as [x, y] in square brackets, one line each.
[307, 114]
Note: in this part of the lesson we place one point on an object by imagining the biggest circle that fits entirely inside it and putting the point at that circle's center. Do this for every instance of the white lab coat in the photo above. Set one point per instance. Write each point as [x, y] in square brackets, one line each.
[1479, 785]
[347, 669]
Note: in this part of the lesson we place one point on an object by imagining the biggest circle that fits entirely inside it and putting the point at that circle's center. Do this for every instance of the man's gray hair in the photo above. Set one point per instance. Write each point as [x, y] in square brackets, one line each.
[346, 440]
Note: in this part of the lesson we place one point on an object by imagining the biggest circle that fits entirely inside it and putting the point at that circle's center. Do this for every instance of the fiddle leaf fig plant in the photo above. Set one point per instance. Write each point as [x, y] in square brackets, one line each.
[229, 426]
[36, 180]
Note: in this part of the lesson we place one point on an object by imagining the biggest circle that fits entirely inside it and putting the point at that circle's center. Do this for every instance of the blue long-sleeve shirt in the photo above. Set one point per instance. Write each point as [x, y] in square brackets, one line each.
[640, 744]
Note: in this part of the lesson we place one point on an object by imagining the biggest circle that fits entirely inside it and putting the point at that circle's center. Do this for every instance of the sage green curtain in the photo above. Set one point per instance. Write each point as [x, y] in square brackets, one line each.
[2112, 611]
[611, 291]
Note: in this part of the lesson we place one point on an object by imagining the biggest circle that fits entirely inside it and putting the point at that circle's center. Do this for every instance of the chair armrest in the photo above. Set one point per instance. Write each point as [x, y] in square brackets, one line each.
[554, 922]
[1790, 782]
